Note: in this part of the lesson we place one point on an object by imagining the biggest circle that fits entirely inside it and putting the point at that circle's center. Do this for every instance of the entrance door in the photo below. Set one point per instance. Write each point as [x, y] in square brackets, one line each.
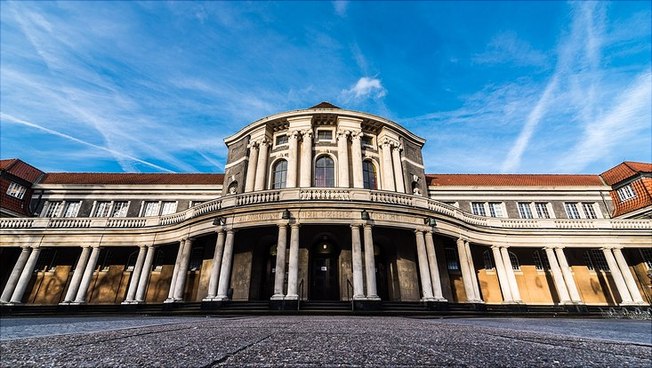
[323, 273]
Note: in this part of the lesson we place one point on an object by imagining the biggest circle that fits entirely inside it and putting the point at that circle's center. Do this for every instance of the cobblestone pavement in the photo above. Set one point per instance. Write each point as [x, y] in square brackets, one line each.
[305, 341]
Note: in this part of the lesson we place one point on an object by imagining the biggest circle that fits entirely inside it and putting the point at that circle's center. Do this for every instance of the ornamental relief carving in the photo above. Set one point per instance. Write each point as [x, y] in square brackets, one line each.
[326, 215]
[256, 217]
[392, 218]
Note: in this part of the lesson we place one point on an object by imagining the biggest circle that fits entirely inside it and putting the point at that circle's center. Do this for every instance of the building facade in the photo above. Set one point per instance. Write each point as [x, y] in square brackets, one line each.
[326, 204]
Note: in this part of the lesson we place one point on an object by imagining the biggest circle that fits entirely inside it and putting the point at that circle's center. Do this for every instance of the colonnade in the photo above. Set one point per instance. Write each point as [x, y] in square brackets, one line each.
[300, 157]
[363, 269]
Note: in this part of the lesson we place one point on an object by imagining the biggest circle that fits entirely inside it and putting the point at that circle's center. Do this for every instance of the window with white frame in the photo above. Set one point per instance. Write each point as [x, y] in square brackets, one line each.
[524, 210]
[324, 135]
[168, 207]
[589, 210]
[595, 260]
[542, 209]
[16, 190]
[367, 140]
[54, 209]
[626, 193]
[281, 140]
[151, 208]
[478, 208]
[493, 209]
[102, 209]
[516, 266]
[120, 209]
[572, 212]
[72, 209]
[540, 261]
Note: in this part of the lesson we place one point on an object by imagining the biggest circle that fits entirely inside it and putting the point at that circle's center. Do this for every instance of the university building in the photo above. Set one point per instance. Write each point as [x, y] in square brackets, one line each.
[326, 204]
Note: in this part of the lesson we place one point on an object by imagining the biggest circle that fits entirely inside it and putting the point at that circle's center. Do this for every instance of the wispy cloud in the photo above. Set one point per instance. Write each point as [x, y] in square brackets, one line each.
[508, 48]
[364, 88]
[11, 119]
[340, 7]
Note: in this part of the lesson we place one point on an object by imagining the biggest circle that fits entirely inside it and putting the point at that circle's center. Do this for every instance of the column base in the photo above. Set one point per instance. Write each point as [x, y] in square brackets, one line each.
[220, 298]
[429, 299]
[291, 297]
[472, 301]
[172, 300]
[277, 297]
[373, 297]
[632, 304]
[359, 297]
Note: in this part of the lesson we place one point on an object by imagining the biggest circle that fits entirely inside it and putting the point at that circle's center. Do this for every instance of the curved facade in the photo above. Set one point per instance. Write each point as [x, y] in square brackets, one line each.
[328, 204]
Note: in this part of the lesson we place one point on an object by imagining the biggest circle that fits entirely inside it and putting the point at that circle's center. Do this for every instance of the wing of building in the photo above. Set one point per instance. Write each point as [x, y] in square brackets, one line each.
[326, 204]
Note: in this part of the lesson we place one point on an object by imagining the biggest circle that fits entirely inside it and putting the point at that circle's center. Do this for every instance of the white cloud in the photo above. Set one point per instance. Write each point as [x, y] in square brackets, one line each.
[506, 48]
[365, 88]
[340, 7]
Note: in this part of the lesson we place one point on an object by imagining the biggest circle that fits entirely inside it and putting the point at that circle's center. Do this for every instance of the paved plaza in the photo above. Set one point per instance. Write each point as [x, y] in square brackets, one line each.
[309, 341]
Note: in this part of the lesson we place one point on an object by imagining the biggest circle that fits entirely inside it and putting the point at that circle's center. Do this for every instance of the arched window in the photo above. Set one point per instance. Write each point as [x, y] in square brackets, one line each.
[516, 266]
[324, 172]
[280, 173]
[369, 175]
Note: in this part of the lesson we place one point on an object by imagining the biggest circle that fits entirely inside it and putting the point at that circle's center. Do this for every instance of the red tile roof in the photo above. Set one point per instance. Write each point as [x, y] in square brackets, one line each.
[133, 178]
[20, 169]
[491, 180]
[625, 171]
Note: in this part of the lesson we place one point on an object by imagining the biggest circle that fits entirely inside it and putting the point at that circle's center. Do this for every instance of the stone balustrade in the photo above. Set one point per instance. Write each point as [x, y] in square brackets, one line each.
[324, 194]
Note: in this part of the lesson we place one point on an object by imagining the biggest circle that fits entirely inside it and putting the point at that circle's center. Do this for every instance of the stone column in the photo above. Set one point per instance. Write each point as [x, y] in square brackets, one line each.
[293, 157]
[261, 166]
[466, 272]
[625, 296]
[144, 274]
[388, 171]
[356, 258]
[305, 178]
[370, 263]
[627, 275]
[509, 270]
[557, 277]
[424, 269]
[434, 268]
[25, 277]
[251, 166]
[293, 264]
[502, 275]
[15, 275]
[343, 158]
[474, 276]
[225, 271]
[135, 274]
[398, 169]
[279, 270]
[175, 273]
[356, 159]
[183, 270]
[215, 268]
[88, 275]
[77, 275]
[568, 276]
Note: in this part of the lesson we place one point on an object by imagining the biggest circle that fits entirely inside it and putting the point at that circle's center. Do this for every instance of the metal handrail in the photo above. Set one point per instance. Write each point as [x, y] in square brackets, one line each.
[349, 284]
[300, 294]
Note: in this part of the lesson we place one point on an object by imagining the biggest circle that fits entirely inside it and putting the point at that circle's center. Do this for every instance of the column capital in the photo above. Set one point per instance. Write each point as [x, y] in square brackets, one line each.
[25, 246]
[142, 246]
[264, 142]
[356, 135]
[494, 246]
[94, 246]
[367, 225]
[219, 229]
[252, 145]
[295, 225]
[294, 134]
[417, 231]
[341, 133]
[355, 225]
[307, 133]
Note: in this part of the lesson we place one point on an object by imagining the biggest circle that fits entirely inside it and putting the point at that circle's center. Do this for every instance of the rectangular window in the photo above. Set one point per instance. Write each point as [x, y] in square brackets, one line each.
[168, 208]
[626, 193]
[452, 260]
[595, 260]
[540, 261]
[72, 209]
[151, 209]
[120, 209]
[571, 210]
[281, 139]
[54, 209]
[324, 135]
[524, 210]
[102, 209]
[589, 210]
[367, 141]
[478, 208]
[496, 209]
[646, 254]
[542, 209]
[16, 190]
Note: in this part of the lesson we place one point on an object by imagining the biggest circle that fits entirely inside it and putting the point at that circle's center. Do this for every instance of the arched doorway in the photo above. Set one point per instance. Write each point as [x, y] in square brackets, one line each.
[324, 283]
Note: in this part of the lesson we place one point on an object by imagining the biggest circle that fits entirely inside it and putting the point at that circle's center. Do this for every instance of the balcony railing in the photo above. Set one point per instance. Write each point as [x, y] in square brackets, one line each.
[321, 194]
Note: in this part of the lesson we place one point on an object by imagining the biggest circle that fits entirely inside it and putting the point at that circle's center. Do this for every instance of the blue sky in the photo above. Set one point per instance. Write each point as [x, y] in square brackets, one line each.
[494, 87]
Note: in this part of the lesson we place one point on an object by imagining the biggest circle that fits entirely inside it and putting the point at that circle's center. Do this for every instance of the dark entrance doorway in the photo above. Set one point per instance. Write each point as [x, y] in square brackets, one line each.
[324, 270]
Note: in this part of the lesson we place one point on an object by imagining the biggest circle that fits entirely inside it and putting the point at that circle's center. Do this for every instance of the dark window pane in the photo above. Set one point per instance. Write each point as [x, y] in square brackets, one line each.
[369, 175]
[324, 172]
[280, 174]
